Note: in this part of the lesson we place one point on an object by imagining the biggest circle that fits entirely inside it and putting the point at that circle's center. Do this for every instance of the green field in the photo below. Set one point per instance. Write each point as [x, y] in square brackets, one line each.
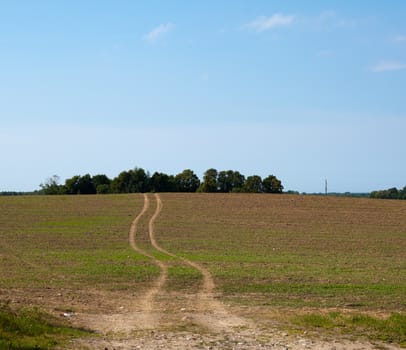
[294, 251]
[283, 256]
[67, 242]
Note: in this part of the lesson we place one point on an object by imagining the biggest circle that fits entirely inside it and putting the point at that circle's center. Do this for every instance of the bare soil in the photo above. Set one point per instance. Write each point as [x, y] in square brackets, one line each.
[160, 319]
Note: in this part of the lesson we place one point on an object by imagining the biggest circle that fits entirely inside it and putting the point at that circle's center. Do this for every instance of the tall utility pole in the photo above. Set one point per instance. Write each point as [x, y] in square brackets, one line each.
[325, 186]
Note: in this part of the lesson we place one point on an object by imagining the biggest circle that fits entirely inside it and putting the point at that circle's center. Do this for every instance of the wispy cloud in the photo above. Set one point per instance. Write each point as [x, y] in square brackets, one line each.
[388, 66]
[158, 32]
[263, 23]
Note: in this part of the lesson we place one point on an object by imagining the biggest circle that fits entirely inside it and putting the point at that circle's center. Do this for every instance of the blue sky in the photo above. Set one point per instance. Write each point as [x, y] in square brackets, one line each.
[302, 90]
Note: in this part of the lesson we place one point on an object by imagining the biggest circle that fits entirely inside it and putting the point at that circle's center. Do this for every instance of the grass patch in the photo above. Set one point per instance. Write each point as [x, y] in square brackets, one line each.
[33, 329]
[391, 329]
[183, 277]
[60, 241]
[313, 293]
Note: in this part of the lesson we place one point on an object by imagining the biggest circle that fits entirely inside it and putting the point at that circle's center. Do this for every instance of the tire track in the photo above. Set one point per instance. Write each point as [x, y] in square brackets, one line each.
[141, 313]
[208, 283]
[212, 313]
[147, 302]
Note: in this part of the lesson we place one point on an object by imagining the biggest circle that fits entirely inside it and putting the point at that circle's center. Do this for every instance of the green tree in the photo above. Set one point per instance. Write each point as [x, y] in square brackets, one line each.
[272, 184]
[161, 182]
[402, 193]
[80, 185]
[230, 181]
[103, 189]
[101, 182]
[392, 193]
[51, 185]
[131, 181]
[187, 181]
[85, 185]
[253, 184]
[139, 181]
[209, 183]
[121, 183]
[238, 181]
[71, 185]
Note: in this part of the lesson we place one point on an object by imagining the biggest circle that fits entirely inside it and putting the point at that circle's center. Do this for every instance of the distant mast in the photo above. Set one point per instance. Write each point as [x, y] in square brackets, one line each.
[325, 186]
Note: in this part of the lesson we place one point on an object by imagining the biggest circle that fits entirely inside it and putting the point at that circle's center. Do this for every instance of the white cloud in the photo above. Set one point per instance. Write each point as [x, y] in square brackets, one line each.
[388, 66]
[159, 32]
[263, 23]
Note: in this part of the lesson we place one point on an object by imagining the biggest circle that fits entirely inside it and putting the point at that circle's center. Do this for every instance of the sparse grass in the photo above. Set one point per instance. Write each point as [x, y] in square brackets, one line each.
[181, 277]
[53, 244]
[296, 251]
[276, 251]
[391, 329]
[69, 252]
[33, 329]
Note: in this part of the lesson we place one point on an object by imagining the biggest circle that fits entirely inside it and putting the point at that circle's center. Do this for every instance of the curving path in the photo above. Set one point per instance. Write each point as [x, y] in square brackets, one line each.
[147, 301]
[212, 313]
[148, 311]
[208, 284]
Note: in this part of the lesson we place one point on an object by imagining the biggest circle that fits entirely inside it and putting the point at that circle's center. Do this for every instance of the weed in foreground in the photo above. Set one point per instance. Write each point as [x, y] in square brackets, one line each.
[32, 329]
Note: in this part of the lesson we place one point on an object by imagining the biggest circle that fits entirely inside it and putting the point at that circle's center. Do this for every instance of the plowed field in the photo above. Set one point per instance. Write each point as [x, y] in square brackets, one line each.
[293, 250]
[190, 265]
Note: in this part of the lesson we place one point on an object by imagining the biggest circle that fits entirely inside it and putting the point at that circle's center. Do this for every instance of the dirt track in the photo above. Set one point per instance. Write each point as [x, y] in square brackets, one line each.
[161, 320]
[151, 319]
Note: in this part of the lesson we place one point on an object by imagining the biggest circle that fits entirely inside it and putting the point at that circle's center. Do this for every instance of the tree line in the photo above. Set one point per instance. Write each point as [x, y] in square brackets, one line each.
[138, 180]
[391, 193]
